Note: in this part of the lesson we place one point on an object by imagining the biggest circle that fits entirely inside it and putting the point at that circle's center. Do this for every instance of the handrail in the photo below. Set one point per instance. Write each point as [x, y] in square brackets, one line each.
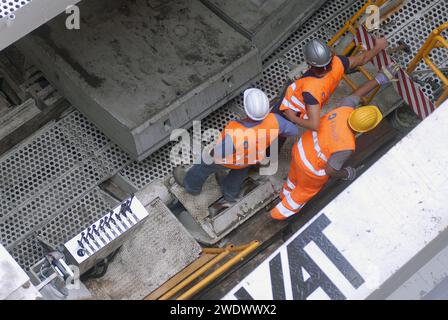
[435, 40]
[350, 26]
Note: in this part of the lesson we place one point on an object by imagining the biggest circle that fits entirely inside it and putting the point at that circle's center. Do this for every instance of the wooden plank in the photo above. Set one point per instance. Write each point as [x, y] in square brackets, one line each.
[203, 259]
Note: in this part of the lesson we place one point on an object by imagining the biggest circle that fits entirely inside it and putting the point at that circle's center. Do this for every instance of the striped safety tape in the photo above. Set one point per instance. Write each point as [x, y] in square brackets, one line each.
[405, 86]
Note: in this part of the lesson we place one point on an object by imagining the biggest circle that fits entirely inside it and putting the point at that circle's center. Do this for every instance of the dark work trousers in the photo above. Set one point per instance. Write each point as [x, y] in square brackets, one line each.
[231, 185]
[276, 109]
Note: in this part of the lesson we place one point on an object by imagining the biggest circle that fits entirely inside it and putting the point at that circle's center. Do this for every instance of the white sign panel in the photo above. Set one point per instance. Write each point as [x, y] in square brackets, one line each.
[370, 231]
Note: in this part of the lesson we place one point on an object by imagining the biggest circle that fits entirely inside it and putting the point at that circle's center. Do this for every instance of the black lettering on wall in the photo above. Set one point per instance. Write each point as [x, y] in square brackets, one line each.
[242, 294]
[277, 281]
[299, 259]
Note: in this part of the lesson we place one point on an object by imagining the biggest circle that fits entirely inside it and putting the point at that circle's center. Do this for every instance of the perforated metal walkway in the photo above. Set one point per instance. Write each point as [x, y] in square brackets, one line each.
[50, 181]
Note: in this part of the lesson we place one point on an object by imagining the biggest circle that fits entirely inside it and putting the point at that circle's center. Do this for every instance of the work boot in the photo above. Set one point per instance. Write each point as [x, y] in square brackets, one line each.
[220, 206]
[220, 176]
[179, 174]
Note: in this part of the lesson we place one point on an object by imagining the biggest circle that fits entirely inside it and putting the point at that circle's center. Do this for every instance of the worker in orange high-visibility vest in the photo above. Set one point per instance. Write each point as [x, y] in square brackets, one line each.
[305, 98]
[243, 143]
[317, 156]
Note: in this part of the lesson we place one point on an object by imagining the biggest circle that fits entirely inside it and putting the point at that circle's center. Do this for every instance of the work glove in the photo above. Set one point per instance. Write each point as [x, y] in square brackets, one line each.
[351, 174]
[387, 74]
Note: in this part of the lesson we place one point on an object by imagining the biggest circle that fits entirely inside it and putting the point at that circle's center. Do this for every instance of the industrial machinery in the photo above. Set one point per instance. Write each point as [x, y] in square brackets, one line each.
[106, 235]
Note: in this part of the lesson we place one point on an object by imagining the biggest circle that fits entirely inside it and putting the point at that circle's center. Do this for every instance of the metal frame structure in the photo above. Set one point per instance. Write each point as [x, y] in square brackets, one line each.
[351, 49]
[435, 40]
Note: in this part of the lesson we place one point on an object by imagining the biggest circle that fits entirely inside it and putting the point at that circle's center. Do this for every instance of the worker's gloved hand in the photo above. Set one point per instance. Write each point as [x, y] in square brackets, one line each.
[387, 74]
[351, 174]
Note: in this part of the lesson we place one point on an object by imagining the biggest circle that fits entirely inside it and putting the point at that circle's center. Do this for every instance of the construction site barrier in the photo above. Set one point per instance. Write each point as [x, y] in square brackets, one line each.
[435, 40]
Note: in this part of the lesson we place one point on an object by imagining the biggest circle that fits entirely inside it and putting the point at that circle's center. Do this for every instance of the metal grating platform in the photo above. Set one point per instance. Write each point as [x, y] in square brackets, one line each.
[322, 24]
[50, 180]
[417, 30]
[8, 7]
[20, 17]
[324, 15]
[64, 226]
[158, 165]
[43, 176]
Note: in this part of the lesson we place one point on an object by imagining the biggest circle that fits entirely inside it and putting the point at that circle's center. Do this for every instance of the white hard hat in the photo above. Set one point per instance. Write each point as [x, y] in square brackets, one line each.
[256, 104]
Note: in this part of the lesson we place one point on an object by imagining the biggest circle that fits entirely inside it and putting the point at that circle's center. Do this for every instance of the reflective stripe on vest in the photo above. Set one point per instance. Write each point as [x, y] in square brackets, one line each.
[321, 88]
[290, 105]
[284, 211]
[250, 143]
[290, 184]
[305, 161]
[294, 205]
[334, 135]
[317, 147]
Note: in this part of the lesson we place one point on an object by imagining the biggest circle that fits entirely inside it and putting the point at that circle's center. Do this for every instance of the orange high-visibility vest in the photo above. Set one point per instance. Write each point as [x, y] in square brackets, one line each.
[250, 144]
[334, 135]
[307, 175]
[320, 88]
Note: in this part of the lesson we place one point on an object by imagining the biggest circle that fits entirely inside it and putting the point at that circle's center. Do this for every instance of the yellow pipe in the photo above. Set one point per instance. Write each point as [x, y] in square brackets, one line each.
[350, 82]
[443, 27]
[442, 98]
[436, 70]
[349, 23]
[352, 30]
[357, 50]
[372, 95]
[230, 248]
[215, 274]
[419, 56]
[348, 49]
[195, 275]
[432, 40]
[217, 250]
[366, 73]
[441, 39]
[435, 40]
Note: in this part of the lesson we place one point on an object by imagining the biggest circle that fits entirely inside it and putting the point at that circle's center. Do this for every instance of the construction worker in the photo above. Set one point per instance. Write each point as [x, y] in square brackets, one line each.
[305, 98]
[243, 143]
[317, 156]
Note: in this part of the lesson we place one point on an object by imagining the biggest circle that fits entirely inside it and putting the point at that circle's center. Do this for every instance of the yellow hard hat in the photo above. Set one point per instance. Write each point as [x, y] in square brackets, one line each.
[365, 118]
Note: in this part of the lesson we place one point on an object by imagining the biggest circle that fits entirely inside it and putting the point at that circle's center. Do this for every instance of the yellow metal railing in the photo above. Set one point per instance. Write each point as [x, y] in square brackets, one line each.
[351, 26]
[185, 288]
[435, 40]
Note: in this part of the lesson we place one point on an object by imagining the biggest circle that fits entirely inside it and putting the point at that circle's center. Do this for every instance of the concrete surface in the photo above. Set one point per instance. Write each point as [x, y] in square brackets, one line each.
[394, 229]
[158, 251]
[139, 69]
[14, 282]
[265, 22]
